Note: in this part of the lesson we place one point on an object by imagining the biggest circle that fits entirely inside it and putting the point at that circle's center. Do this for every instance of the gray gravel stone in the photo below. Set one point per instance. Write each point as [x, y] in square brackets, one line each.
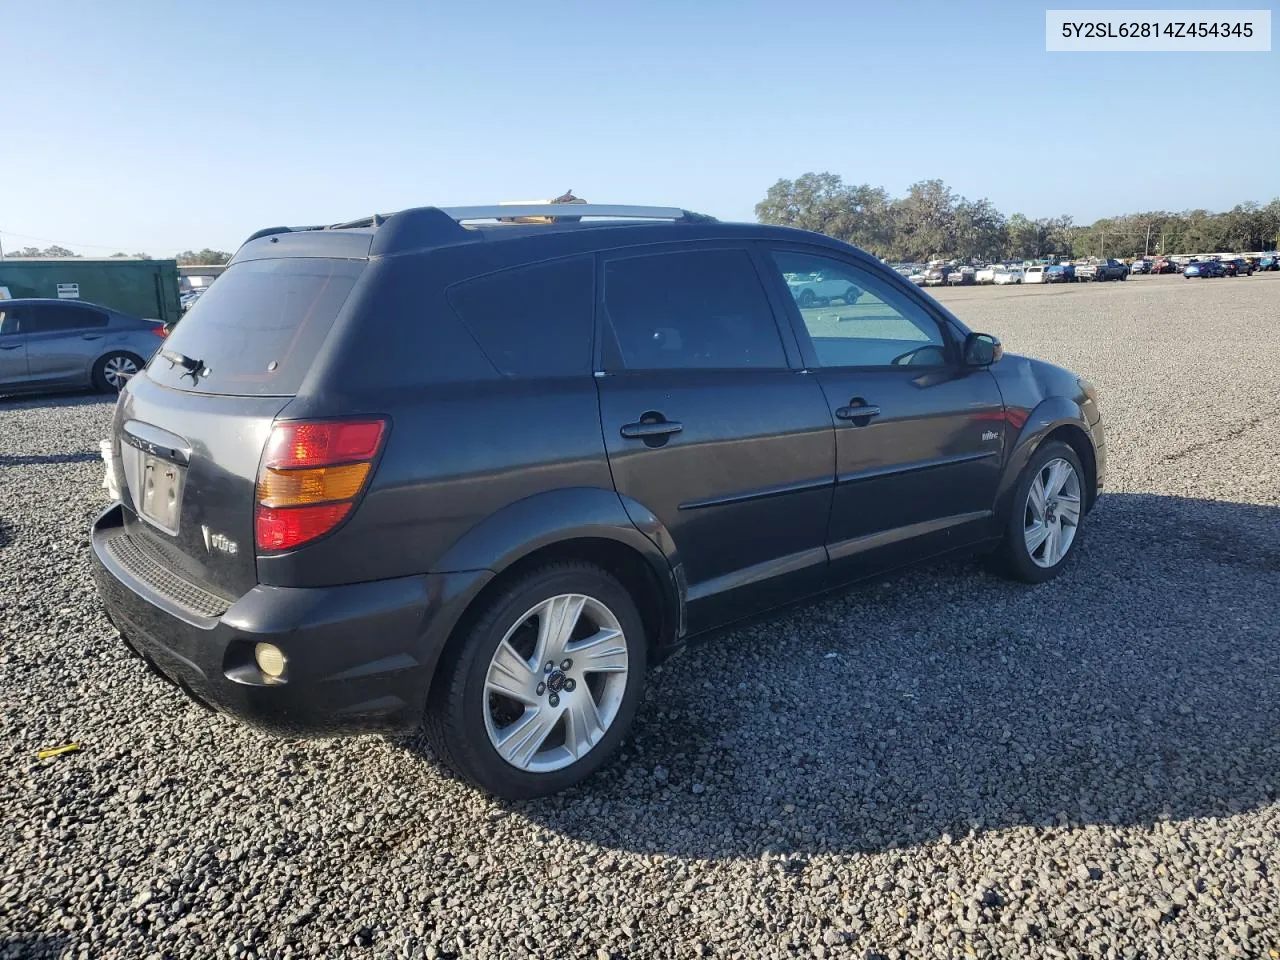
[1084, 769]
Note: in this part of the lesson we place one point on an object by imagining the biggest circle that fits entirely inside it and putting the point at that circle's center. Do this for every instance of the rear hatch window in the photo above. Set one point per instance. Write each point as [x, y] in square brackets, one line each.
[257, 329]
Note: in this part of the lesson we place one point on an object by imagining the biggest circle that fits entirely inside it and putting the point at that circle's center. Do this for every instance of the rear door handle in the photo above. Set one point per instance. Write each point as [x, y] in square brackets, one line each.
[858, 411]
[654, 428]
[9, 346]
[90, 336]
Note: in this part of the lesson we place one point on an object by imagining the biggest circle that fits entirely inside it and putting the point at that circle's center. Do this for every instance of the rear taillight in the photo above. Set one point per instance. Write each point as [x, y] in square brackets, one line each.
[160, 331]
[311, 475]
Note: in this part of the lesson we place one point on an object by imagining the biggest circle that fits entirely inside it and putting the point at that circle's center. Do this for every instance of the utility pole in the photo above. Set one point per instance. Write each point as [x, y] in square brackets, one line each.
[1146, 247]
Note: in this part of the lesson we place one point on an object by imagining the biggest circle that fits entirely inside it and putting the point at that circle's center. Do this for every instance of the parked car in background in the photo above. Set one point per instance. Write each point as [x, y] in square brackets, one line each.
[1165, 265]
[1140, 266]
[1034, 273]
[1101, 270]
[986, 274]
[1059, 273]
[936, 276]
[962, 276]
[918, 278]
[188, 299]
[71, 345]
[1269, 261]
[818, 288]
[318, 537]
[1237, 267]
[1007, 275]
[1204, 269]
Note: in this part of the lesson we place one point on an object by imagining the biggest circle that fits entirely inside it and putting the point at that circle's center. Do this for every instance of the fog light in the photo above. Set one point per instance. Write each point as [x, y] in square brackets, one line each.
[271, 660]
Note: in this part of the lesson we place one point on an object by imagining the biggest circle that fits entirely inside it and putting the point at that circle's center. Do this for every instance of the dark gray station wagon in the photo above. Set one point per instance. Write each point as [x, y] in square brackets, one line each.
[476, 468]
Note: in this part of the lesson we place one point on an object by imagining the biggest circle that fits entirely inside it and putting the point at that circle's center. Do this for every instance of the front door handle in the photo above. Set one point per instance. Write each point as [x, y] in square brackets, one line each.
[646, 429]
[858, 410]
[9, 346]
[90, 336]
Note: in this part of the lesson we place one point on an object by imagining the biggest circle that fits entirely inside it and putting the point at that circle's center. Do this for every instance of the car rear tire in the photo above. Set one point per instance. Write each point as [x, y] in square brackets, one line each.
[851, 295]
[539, 690]
[806, 298]
[112, 372]
[1043, 527]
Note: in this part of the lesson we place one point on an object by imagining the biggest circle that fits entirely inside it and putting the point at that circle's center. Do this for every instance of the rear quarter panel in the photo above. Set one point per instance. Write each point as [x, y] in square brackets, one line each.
[464, 441]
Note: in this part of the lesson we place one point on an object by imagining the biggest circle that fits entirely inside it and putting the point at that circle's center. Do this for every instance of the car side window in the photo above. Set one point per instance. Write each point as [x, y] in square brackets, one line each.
[856, 319]
[8, 322]
[693, 309]
[55, 318]
[532, 321]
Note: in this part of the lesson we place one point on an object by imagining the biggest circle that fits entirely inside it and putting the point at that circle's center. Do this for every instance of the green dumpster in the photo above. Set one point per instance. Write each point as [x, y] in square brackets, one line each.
[143, 288]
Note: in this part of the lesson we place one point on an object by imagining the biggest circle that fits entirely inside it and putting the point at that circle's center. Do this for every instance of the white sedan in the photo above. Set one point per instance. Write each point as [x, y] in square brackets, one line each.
[819, 288]
[986, 274]
[1004, 275]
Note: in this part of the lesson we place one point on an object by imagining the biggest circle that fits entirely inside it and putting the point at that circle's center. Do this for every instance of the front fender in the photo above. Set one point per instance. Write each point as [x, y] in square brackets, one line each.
[1049, 414]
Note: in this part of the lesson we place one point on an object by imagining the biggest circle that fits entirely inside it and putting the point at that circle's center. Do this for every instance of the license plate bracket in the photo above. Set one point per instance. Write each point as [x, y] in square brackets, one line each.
[160, 499]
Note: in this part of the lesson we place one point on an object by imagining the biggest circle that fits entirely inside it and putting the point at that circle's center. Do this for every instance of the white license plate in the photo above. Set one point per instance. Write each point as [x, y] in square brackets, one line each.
[161, 500]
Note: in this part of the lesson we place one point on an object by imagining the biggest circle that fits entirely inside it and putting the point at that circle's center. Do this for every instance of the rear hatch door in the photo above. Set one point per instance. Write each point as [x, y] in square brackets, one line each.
[189, 432]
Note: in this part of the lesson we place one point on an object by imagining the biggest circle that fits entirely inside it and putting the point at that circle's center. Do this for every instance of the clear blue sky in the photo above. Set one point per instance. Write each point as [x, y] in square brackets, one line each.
[161, 126]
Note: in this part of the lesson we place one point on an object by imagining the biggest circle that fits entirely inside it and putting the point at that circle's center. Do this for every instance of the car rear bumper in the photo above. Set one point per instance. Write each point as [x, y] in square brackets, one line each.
[359, 657]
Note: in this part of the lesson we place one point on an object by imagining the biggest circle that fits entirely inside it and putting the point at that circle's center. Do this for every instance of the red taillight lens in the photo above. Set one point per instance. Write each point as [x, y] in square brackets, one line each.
[289, 527]
[312, 473]
[323, 444]
[160, 331]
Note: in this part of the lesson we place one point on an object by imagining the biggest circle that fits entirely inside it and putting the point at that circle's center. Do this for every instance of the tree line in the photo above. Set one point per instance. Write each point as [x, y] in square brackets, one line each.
[933, 222]
[186, 258]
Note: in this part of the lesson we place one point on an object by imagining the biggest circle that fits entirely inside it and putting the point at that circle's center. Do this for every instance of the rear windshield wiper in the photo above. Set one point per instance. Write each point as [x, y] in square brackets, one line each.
[182, 360]
[191, 367]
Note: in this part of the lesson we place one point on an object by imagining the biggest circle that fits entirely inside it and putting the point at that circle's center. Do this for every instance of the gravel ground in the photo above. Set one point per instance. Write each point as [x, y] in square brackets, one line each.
[945, 765]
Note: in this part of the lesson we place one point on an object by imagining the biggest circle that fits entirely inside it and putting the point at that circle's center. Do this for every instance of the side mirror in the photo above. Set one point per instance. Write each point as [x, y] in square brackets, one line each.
[982, 350]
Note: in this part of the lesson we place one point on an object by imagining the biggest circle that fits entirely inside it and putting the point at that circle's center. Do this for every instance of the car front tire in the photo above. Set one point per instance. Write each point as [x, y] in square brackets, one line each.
[540, 690]
[1042, 531]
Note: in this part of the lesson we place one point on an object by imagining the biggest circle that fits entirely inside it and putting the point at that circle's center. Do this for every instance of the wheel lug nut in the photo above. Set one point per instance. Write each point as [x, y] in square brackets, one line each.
[566, 664]
[554, 700]
[549, 667]
[542, 688]
[569, 684]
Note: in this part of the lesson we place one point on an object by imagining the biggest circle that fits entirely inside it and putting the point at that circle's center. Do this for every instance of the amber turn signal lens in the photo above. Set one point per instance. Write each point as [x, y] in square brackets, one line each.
[297, 488]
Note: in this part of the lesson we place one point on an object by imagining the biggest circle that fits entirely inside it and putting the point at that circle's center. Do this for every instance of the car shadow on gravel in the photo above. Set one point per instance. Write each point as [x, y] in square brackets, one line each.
[1139, 686]
[85, 456]
[28, 401]
[34, 946]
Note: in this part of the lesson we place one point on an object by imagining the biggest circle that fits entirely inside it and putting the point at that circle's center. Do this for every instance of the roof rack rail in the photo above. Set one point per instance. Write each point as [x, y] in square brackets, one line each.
[376, 220]
[422, 227]
[571, 212]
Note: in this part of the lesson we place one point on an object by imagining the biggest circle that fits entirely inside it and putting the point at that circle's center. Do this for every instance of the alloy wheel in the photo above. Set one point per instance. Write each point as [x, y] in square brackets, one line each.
[117, 371]
[555, 683]
[1052, 513]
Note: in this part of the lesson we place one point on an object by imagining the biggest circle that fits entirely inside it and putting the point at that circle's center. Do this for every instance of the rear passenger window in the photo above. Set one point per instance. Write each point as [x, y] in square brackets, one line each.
[700, 309]
[54, 318]
[532, 321]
